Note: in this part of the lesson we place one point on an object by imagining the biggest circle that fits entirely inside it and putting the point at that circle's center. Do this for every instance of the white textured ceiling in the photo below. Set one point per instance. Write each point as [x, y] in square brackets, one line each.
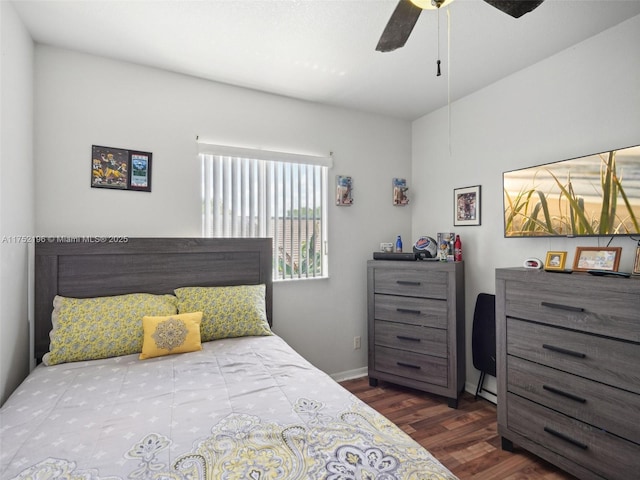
[324, 50]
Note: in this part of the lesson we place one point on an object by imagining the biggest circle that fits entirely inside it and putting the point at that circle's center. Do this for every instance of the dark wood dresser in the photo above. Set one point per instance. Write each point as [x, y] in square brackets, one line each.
[416, 325]
[568, 366]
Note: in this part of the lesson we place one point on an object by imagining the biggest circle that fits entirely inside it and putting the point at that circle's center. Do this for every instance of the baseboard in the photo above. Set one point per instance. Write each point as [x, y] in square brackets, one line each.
[350, 374]
[363, 372]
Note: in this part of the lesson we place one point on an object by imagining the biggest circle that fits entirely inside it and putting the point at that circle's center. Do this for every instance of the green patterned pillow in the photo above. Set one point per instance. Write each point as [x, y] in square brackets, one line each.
[236, 311]
[101, 327]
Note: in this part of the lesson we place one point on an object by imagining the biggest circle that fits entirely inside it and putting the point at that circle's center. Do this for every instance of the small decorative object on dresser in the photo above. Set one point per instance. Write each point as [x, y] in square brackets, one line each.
[567, 350]
[417, 325]
[636, 264]
[555, 260]
[597, 258]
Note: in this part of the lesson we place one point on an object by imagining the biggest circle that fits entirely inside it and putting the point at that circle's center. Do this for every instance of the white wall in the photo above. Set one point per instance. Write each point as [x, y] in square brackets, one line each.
[16, 196]
[83, 100]
[582, 101]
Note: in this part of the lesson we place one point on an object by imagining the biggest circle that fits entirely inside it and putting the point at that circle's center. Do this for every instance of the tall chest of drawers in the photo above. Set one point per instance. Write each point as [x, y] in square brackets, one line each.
[568, 368]
[416, 325]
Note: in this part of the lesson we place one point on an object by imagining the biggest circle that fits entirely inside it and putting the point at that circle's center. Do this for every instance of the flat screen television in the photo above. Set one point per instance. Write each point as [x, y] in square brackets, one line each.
[593, 195]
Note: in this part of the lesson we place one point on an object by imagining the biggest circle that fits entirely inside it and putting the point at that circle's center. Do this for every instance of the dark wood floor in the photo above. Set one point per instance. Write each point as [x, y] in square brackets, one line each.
[465, 439]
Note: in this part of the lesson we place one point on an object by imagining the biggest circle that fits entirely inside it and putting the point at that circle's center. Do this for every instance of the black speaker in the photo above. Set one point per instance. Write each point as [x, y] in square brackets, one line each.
[483, 337]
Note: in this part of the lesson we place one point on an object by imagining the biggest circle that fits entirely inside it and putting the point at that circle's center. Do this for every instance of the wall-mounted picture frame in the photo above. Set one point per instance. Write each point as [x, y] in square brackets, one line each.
[120, 169]
[555, 260]
[466, 203]
[636, 263]
[140, 168]
[400, 197]
[344, 189]
[597, 258]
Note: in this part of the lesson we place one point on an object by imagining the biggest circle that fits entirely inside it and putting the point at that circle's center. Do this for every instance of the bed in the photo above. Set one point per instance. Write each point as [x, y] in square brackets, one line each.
[239, 405]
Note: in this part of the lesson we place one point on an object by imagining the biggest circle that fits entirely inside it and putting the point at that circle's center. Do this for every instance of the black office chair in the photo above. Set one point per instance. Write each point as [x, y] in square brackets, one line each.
[483, 338]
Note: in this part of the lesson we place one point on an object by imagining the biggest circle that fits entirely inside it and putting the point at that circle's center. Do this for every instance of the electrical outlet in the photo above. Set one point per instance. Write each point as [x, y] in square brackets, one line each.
[356, 343]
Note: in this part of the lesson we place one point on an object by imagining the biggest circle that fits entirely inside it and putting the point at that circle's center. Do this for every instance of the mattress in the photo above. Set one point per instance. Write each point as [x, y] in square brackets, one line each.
[241, 408]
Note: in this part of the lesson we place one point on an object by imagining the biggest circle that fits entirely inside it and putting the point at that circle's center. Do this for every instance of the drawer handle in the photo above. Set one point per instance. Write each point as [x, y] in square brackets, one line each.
[564, 394]
[409, 365]
[566, 438]
[408, 310]
[412, 339]
[562, 307]
[408, 282]
[563, 350]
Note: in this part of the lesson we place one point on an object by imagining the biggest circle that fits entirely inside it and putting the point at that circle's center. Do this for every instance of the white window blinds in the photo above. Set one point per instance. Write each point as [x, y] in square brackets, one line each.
[257, 193]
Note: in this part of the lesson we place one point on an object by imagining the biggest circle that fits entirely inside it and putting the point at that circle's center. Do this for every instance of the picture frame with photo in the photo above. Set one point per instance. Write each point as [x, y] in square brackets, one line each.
[466, 204]
[400, 189]
[555, 260]
[344, 189]
[597, 258]
[636, 263]
[120, 169]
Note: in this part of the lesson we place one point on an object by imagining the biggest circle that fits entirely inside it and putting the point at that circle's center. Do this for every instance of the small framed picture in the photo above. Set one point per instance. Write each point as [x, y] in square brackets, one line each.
[140, 178]
[120, 169]
[344, 187]
[400, 189]
[555, 260]
[109, 167]
[466, 203]
[636, 264]
[597, 258]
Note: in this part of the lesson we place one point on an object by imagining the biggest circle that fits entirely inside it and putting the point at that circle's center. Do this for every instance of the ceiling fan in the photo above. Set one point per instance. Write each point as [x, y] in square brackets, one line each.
[406, 14]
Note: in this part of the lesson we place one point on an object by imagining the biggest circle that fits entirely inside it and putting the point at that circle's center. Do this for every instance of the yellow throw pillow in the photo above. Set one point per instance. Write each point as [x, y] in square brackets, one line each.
[171, 334]
[235, 311]
[101, 327]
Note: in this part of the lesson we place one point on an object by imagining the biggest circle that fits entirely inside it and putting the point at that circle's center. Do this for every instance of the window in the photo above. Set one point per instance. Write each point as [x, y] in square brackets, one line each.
[255, 193]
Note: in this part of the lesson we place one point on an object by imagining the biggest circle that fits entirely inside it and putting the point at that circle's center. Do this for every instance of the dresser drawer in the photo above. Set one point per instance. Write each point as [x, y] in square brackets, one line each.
[411, 283]
[611, 409]
[593, 448]
[604, 312]
[431, 341]
[424, 368]
[415, 311]
[605, 360]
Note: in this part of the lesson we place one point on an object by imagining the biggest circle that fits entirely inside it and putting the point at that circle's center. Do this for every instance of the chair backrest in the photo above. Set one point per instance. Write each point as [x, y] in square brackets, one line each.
[483, 337]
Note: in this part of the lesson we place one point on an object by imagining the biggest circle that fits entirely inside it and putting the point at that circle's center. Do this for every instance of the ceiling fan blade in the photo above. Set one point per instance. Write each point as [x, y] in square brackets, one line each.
[399, 27]
[515, 8]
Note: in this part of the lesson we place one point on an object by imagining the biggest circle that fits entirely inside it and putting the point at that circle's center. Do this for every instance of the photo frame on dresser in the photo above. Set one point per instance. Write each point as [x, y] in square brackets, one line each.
[597, 258]
[555, 260]
[636, 263]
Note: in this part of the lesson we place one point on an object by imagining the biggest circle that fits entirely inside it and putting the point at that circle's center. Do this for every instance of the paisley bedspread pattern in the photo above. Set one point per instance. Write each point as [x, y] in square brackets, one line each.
[263, 428]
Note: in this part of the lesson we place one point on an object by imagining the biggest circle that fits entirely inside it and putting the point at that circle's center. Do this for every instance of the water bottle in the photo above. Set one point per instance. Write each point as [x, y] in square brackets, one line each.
[399, 244]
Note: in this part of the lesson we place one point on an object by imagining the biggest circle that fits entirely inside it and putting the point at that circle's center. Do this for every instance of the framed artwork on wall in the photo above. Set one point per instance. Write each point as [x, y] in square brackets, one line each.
[400, 189]
[344, 186]
[120, 169]
[466, 204]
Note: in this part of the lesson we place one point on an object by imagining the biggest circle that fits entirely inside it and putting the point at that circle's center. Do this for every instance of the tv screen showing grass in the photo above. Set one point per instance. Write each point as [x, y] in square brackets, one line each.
[593, 195]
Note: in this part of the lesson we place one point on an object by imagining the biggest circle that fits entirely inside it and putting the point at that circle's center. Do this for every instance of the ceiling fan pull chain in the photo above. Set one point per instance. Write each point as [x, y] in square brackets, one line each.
[449, 74]
[438, 62]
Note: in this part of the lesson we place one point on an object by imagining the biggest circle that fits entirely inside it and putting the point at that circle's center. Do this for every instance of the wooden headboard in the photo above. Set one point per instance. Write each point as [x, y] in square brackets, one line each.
[95, 267]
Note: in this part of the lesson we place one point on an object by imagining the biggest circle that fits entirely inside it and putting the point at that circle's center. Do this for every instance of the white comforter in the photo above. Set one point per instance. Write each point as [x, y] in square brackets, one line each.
[244, 408]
